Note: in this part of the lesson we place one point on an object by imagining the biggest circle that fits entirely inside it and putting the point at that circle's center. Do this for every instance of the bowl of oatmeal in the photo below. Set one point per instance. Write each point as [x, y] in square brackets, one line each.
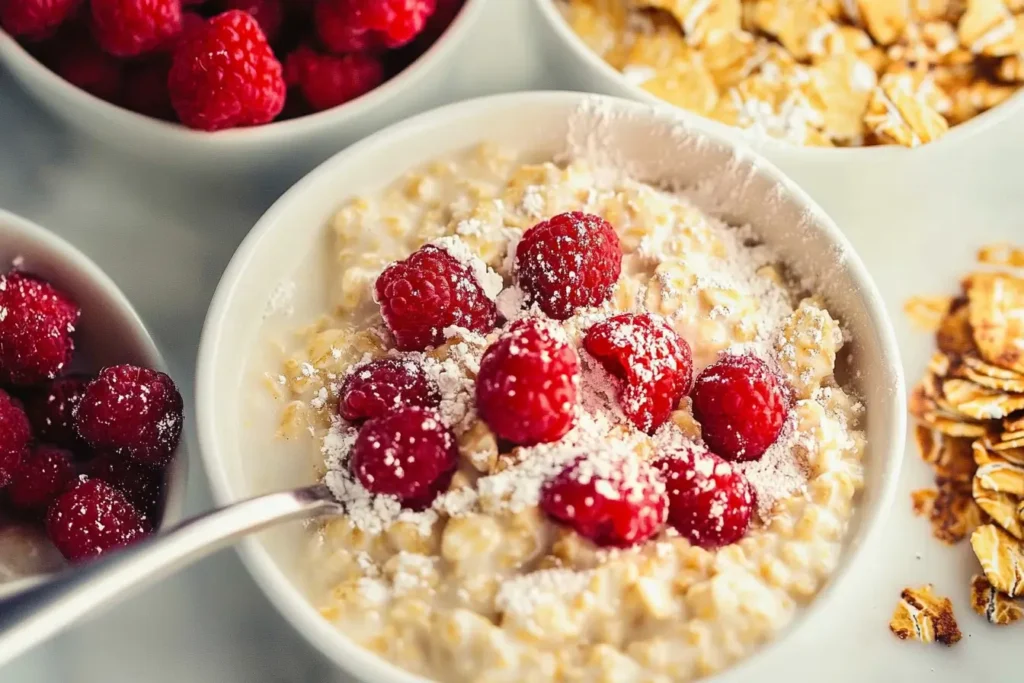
[593, 382]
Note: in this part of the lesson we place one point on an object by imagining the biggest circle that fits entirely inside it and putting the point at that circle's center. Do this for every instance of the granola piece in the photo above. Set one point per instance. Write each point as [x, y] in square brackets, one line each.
[900, 114]
[976, 97]
[773, 102]
[1002, 558]
[699, 19]
[731, 56]
[997, 318]
[1000, 506]
[1003, 254]
[980, 20]
[988, 404]
[922, 615]
[1002, 477]
[885, 20]
[951, 457]
[950, 510]
[663, 64]
[793, 23]
[603, 26]
[928, 312]
[844, 84]
[832, 40]
[940, 364]
[955, 335]
[993, 605]
[937, 10]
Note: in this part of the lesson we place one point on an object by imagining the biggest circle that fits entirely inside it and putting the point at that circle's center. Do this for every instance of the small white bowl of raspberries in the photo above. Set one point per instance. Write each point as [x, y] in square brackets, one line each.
[233, 84]
[90, 427]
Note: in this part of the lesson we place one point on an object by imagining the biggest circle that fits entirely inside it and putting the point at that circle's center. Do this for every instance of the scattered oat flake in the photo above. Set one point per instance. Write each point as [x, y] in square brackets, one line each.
[928, 312]
[1002, 558]
[922, 615]
[997, 607]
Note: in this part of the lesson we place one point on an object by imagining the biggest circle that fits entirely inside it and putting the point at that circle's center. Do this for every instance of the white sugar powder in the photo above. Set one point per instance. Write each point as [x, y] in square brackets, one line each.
[488, 280]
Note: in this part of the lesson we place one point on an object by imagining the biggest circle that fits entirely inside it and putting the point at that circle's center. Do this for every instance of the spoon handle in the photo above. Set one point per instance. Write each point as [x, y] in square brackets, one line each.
[38, 613]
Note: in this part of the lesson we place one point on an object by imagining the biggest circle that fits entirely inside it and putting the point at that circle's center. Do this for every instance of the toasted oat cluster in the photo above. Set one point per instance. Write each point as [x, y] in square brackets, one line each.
[816, 72]
[922, 615]
[516, 398]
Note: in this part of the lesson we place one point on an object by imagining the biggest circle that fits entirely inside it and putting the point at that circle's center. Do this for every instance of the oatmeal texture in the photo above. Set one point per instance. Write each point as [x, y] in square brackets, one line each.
[482, 586]
[815, 72]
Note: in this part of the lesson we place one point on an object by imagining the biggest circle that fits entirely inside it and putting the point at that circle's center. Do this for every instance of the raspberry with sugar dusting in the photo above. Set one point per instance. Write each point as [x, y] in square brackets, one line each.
[568, 262]
[527, 388]
[613, 501]
[653, 363]
[409, 454]
[741, 406]
[51, 411]
[15, 433]
[376, 388]
[35, 19]
[133, 411]
[128, 28]
[428, 292]
[140, 483]
[42, 476]
[710, 502]
[90, 519]
[36, 323]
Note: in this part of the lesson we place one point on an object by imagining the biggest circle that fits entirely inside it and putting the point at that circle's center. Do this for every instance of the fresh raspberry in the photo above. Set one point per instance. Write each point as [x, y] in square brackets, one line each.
[269, 14]
[83, 64]
[145, 88]
[428, 292]
[51, 410]
[528, 385]
[142, 484]
[439, 22]
[652, 361]
[612, 501]
[339, 30]
[42, 476]
[128, 28]
[710, 502]
[132, 411]
[90, 519]
[34, 19]
[36, 322]
[326, 81]
[741, 406]
[408, 453]
[569, 262]
[15, 433]
[380, 386]
[398, 21]
[225, 75]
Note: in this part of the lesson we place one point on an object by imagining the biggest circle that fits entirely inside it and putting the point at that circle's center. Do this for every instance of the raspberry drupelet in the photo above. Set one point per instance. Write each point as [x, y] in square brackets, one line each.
[90, 519]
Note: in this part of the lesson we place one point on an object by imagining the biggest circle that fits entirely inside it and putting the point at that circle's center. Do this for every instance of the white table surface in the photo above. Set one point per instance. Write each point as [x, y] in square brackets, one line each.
[165, 240]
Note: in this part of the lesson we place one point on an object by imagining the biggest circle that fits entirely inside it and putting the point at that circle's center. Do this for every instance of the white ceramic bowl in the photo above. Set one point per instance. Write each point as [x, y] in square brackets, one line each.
[289, 240]
[293, 144]
[109, 331]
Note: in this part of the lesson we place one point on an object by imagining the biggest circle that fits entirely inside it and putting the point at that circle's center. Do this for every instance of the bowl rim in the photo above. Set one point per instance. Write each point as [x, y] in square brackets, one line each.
[284, 593]
[274, 132]
[768, 145]
[69, 255]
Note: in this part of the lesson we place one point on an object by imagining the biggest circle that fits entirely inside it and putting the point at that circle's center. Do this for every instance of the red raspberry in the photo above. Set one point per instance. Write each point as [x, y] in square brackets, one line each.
[142, 484]
[269, 14]
[36, 322]
[15, 433]
[42, 476]
[408, 454]
[90, 519]
[326, 81]
[612, 501]
[710, 502]
[145, 88]
[128, 28]
[225, 75]
[428, 292]
[652, 360]
[528, 385]
[741, 406]
[35, 19]
[51, 411]
[132, 411]
[338, 29]
[439, 22]
[81, 63]
[378, 387]
[398, 21]
[569, 262]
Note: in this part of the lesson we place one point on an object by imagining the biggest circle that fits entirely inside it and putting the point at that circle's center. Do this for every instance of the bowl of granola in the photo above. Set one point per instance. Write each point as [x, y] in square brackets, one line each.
[591, 380]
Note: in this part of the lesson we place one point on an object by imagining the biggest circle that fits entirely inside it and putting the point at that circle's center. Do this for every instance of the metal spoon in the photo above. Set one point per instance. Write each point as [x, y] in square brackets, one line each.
[37, 613]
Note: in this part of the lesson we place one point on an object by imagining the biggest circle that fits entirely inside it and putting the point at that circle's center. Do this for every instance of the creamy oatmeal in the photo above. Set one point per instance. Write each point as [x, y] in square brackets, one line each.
[481, 578]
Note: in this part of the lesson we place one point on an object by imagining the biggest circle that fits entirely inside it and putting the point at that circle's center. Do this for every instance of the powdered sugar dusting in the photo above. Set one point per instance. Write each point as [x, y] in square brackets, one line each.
[489, 281]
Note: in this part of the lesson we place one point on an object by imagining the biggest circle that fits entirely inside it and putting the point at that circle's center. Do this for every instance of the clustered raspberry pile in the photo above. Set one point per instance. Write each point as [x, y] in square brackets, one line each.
[216, 64]
[528, 392]
[81, 454]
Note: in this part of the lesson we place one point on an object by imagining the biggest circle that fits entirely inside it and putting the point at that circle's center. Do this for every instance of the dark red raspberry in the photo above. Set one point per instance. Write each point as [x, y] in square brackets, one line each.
[142, 484]
[528, 385]
[653, 362]
[128, 28]
[145, 88]
[339, 30]
[428, 292]
[380, 386]
[326, 81]
[51, 410]
[131, 411]
[83, 64]
[42, 476]
[439, 22]
[269, 14]
[398, 21]
[741, 406]
[225, 75]
[569, 262]
[92, 518]
[612, 501]
[15, 433]
[36, 322]
[408, 453]
[35, 19]
[710, 502]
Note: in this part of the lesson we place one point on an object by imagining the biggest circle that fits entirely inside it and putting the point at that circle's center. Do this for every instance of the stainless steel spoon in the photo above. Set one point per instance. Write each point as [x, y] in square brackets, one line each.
[43, 610]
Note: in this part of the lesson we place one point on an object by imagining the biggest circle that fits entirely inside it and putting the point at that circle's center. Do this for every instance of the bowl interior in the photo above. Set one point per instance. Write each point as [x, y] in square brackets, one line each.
[290, 243]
